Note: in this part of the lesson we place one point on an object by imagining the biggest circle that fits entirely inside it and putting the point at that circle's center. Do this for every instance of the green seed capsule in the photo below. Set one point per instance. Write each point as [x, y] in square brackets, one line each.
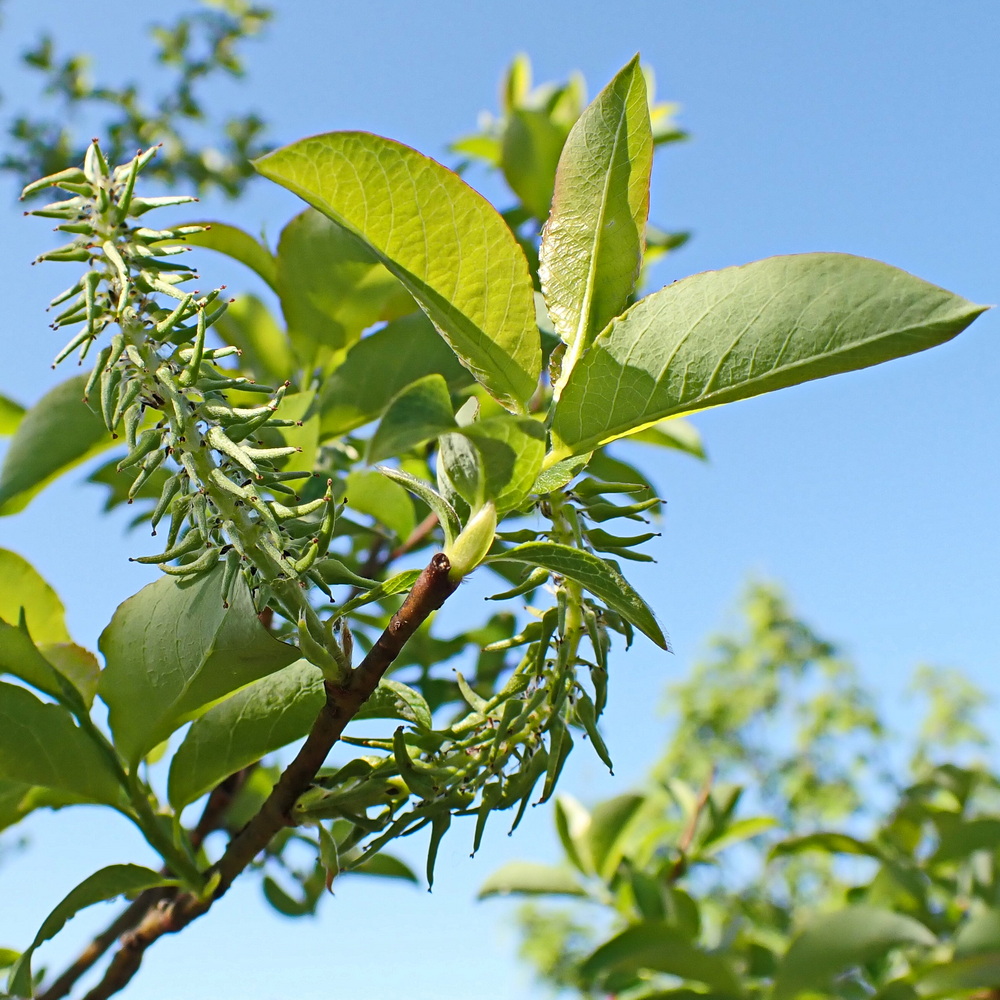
[202, 564]
[191, 542]
[110, 381]
[148, 442]
[170, 489]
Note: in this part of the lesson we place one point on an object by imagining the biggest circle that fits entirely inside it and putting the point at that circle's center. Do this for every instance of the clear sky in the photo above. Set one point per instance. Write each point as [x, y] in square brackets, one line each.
[873, 497]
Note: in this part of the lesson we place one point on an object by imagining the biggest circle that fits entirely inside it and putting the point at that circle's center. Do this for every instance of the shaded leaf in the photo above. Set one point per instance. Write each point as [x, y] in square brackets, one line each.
[417, 414]
[10, 416]
[660, 947]
[444, 242]
[41, 744]
[115, 880]
[529, 155]
[59, 432]
[385, 866]
[726, 335]
[393, 700]
[369, 492]
[838, 941]
[949, 979]
[238, 245]
[512, 450]
[172, 649]
[608, 831]
[263, 717]
[595, 574]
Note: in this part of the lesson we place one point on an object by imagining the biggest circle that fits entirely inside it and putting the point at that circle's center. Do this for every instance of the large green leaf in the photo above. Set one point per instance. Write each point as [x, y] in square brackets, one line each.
[172, 649]
[17, 799]
[237, 244]
[57, 433]
[446, 243]
[115, 880]
[266, 351]
[331, 286]
[591, 250]
[528, 878]
[263, 717]
[10, 416]
[661, 947]
[596, 575]
[731, 334]
[512, 450]
[379, 367]
[532, 142]
[369, 492]
[40, 744]
[839, 941]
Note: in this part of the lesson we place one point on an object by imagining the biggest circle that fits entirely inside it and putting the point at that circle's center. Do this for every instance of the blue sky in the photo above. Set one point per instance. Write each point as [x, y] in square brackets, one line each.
[872, 497]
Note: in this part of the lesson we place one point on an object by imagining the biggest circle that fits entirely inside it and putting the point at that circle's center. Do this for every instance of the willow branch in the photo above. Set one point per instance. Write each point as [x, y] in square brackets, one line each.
[212, 818]
[432, 588]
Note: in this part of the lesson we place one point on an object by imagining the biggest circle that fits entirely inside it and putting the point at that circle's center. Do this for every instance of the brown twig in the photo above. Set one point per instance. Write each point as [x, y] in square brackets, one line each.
[211, 819]
[687, 837]
[431, 590]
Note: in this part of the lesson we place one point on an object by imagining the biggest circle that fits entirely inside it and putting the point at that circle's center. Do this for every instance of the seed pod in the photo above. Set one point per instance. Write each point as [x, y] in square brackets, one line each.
[167, 494]
[126, 399]
[191, 371]
[191, 542]
[202, 564]
[318, 655]
[71, 175]
[148, 441]
[99, 366]
[229, 575]
[110, 381]
[152, 463]
[220, 441]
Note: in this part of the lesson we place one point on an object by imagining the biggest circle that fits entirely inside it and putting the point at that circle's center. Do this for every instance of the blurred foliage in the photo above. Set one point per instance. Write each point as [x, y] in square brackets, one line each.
[192, 49]
[781, 846]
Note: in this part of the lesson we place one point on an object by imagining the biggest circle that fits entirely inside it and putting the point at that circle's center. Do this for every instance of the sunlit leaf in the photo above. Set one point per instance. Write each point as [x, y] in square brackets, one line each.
[446, 244]
[731, 334]
[526, 878]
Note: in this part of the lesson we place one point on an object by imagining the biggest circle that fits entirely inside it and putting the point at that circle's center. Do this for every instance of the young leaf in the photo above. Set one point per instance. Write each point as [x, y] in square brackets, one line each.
[592, 245]
[417, 414]
[731, 334]
[837, 941]
[512, 450]
[172, 649]
[446, 244]
[115, 880]
[40, 744]
[57, 433]
[437, 503]
[596, 575]
[394, 585]
[404, 350]
[392, 700]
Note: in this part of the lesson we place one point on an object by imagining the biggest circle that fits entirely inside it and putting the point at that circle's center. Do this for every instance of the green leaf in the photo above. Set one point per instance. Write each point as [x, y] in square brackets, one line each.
[393, 700]
[369, 492]
[676, 434]
[115, 880]
[394, 585]
[731, 334]
[960, 975]
[385, 866]
[40, 744]
[10, 416]
[59, 432]
[592, 246]
[263, 717]
[595, 574]
[512, 450]
[527, 878]
[735, 833]
[608, 832]
[172, 649]
[661, 947]
[839, 941]
[417, 414]
[238, 245]
[430, 496]
[77, 665]
[444, 242]
[403, 351]
[21, 586]
[20, 657]
[959, 840]
[559, 475]
[981, 932]
[827, 843]
[299, 406]
[529, 156]
[572, 825]
[331, 286]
